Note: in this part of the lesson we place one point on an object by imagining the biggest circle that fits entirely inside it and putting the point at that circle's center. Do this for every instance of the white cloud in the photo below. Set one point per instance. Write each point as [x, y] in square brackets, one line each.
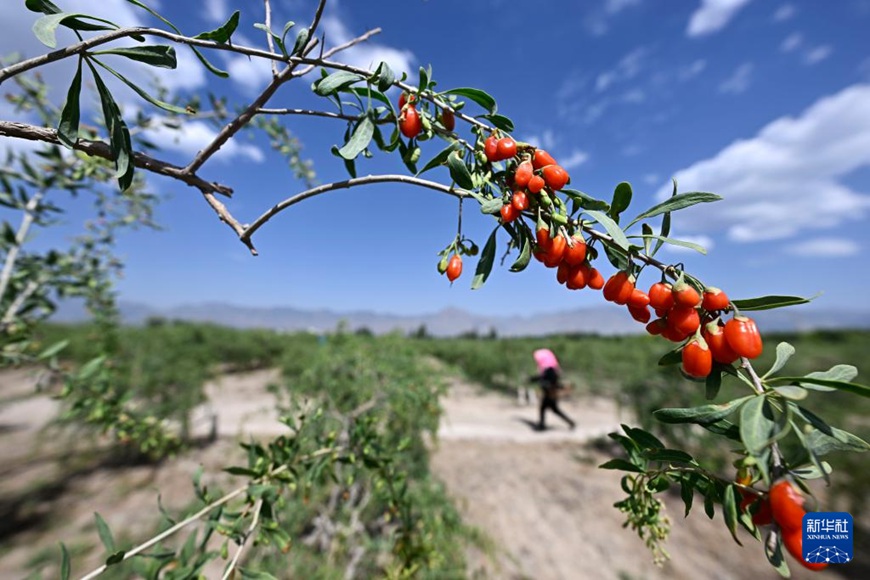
[194, 136]
[739, 80]
[692, 70]
[791, 42]
[784, 12]
[712, 16]
[817, 54]
[788, 178]
[634, 96]
[368, 54]
[216, 11]
[824, 247]
[628, 67]
[597, 22]
[652, 178]
[575, 159]
[546, 140]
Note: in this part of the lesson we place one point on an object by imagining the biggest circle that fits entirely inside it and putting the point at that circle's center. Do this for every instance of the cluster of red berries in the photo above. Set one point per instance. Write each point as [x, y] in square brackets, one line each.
[784, 505]
[536, 172]
[410, 122]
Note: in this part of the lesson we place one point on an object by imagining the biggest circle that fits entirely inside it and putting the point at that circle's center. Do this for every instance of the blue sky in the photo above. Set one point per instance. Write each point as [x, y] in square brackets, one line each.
[764, 102]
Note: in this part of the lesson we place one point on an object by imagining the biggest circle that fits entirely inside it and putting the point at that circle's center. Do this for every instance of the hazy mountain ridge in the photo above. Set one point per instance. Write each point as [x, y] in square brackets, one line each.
[606, 320]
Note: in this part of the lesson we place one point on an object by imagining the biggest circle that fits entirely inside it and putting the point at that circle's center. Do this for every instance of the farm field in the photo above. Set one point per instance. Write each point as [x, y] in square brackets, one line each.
[534, 504]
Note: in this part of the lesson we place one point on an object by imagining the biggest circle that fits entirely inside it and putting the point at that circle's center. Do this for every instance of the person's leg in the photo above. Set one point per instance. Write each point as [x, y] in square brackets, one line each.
[559, 412]
[542, 410]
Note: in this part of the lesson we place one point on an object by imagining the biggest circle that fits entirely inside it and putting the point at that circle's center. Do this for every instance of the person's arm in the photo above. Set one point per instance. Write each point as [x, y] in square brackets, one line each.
[535, 379]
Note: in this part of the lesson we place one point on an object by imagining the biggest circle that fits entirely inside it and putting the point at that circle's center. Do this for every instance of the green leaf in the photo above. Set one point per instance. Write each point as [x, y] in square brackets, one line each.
[209, 66]
[222, 35]
[159, 55]
[290, 24]
[43, 6]
[243, 471]
[672, 357]
[806, 381]
[773, 551]
[459, 171]
[612, 228]
[843, 373]
[115, 558]
[500, 122]
[491, 206]
[712, 384]
[621, 465]
[360, 139]
[768, 302]
[621, 199]
[122, 148]
[105, 533]
[335, 82]
[666, 224]
[440, 158]
[756, 424]
[724, 428]
[425, 76]
[687, 493]
[64, 562]
[585, 200]
[45, 28]
[141, 92]
[68, 127]
[53, 349]
[674, 242]
[784, 351]
[668, 455]
[675, 203]
[710, 502]
[850, 442]
[729, 511]
[301, 41]
[814, 458]
[90, 368]
[792, 392]
[384, 76]
[481, 98]
[823, 444]
[703, 415]
[484, 265]
[647, 231]
[644, 439]
[525, 253]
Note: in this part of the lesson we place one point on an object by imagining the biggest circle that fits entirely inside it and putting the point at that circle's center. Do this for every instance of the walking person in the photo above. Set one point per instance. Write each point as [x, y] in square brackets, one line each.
[550, 380]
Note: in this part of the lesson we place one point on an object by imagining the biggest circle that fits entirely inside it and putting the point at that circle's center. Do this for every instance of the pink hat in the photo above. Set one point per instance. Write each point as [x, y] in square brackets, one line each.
[545, 359]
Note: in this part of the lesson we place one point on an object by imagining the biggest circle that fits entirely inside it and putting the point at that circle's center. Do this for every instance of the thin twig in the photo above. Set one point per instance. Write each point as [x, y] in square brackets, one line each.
[269, 40]
[312, 112]
[226, 217]
[12, 256]
[102, 149]
[19, 301]
[254, 521]
[368, 180]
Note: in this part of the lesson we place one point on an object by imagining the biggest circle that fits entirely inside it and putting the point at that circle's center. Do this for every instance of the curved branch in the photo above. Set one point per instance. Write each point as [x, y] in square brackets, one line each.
[102, 150]
[347, 183]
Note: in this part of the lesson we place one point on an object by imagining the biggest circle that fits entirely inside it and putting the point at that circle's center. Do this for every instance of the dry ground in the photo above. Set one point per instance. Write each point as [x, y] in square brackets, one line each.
[538, 495]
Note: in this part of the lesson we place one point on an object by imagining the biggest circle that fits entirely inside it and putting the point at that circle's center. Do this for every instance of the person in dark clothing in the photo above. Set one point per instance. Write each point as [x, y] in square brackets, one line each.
[550, 382]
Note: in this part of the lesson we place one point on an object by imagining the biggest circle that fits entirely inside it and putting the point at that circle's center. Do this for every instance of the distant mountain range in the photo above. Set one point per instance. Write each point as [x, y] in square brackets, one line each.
[607, 320]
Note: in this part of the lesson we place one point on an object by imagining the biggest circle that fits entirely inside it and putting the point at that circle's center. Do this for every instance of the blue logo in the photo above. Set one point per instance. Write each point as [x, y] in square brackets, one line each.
[827, 537]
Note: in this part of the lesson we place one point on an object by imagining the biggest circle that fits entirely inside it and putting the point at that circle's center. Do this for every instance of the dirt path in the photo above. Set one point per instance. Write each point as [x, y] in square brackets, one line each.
[542, 499]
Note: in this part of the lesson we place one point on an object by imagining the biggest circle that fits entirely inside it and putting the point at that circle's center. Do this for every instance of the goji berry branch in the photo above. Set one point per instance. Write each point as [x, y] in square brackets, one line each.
[347, 183]
[102, 150]
[255, 519]
[269, 41]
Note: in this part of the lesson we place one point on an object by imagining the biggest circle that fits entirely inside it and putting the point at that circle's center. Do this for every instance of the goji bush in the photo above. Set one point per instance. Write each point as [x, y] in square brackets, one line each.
[590, 244]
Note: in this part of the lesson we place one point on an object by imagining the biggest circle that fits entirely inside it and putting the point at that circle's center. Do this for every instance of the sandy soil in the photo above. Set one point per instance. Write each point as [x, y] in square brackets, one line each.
[538, 495]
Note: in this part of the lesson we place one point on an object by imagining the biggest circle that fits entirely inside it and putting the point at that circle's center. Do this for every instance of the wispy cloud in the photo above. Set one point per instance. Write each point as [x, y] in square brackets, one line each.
[818, 54]
[628, 67]
[791, 42]
[692, 70]
[712, 16]
[784, 12]
[368, 54]
[197, 135]
[545, 140]
[789, 178]
[598, 20]
[739, 81]
[575, 159]
[216, 10]
[824, 247]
